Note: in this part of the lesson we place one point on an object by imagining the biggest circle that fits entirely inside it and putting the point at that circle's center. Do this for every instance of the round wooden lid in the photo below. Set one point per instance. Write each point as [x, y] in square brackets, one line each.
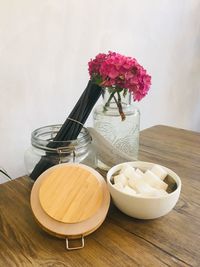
[67, 207]
[70, 194]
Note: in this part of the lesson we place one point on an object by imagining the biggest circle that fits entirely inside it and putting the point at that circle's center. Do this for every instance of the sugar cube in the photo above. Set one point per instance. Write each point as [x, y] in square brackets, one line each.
[154, 181]
[119, 186]
[142, 187]
[129, 190]
[159, 171]
[139, 172]
[120, 178]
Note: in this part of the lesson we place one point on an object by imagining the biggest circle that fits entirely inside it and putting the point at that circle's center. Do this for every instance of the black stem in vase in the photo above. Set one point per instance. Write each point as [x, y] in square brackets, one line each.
[70, 128]
[119, 105]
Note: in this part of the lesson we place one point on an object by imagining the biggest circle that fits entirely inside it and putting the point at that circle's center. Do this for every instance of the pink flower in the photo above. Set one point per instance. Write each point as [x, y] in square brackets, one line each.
[95, 64]
[119, 72]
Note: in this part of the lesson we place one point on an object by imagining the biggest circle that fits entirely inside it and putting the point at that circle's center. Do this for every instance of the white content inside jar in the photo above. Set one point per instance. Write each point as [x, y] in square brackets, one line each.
[153, 182]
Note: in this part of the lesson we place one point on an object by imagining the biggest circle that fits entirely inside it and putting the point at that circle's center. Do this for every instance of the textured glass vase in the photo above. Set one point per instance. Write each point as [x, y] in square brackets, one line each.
[124, 135]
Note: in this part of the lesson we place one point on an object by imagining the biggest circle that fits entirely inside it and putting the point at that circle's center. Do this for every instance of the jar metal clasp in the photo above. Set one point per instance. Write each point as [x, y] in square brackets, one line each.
[62, 151]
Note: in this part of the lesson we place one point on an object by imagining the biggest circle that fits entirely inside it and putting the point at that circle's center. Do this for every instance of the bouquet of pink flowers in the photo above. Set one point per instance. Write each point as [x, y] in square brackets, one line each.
[119, 73]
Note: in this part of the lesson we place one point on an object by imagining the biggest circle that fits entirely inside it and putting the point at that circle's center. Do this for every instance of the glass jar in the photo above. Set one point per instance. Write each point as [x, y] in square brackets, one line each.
[56, 152]
[122, 134]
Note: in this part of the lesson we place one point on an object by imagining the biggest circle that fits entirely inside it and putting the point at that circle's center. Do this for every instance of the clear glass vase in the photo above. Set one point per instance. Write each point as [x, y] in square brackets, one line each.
[122, 134]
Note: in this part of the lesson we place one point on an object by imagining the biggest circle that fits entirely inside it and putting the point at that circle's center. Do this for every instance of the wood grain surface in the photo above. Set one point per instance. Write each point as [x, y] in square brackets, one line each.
[70, 193]
[80, 228]
[172, 240]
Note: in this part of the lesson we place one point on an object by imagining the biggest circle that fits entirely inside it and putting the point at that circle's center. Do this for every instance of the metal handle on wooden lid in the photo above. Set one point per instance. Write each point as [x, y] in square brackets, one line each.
[77, 247]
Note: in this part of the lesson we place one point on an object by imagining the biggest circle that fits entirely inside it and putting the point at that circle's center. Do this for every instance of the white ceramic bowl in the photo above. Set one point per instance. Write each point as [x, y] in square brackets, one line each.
[143, 207]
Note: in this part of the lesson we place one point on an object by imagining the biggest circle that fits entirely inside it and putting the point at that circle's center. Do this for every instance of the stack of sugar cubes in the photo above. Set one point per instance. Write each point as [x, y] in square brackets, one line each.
[135, 182]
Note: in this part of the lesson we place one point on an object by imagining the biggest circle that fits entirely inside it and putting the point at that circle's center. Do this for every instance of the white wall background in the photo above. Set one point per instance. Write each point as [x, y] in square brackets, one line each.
[45, 46]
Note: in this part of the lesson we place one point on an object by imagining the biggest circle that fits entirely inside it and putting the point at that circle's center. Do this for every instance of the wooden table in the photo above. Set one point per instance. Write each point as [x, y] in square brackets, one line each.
[173, 240]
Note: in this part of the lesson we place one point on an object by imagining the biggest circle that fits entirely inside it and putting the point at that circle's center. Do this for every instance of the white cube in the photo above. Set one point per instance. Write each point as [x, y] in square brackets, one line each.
[154, 181]
[143, 188]
[120, 178]
[119, 186]
[159, 171]
[129, 172]
[139, 172]
[129, 190]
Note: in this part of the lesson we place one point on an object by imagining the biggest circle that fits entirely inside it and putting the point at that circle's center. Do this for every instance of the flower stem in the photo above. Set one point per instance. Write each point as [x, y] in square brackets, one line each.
[119, 105]
[109, 99]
